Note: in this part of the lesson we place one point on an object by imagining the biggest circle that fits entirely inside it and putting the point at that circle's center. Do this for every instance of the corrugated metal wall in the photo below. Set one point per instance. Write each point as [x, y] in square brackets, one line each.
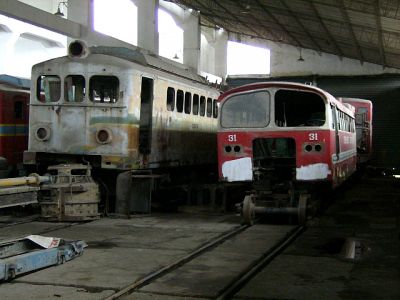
[383, 91]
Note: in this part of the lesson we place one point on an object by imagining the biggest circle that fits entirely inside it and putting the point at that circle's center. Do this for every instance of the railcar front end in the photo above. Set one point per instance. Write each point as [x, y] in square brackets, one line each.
[285, 139]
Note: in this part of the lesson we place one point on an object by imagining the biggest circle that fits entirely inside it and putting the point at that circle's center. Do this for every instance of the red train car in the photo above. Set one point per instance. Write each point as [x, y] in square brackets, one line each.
[363, 114]
[286, 139]
[14, 99]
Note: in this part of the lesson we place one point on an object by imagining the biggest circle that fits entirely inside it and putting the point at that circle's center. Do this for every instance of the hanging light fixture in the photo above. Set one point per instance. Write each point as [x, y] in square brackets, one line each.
[300, 57]
[59, 12]
[176, 56]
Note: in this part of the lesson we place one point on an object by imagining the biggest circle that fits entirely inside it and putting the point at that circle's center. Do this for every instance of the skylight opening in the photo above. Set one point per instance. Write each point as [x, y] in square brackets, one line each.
[246, 59]
[117, 19]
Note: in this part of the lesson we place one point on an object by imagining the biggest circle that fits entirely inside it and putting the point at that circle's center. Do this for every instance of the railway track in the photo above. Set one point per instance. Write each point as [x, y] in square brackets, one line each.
[216, 269]
[225, 289]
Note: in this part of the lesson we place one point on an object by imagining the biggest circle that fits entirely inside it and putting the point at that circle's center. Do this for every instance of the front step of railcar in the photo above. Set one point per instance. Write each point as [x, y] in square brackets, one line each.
[254, 205]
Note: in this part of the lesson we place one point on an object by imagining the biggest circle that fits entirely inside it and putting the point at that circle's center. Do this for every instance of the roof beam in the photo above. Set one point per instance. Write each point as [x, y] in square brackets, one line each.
[275, 38]
[35, 16]
[379, 31]
[293, 15]
[283, 28]
[351, 30]
[318, 16]
[263, 26]
[208, 17]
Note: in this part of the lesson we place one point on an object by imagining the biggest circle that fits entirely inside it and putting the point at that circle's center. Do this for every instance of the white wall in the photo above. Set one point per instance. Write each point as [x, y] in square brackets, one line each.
[284, 62]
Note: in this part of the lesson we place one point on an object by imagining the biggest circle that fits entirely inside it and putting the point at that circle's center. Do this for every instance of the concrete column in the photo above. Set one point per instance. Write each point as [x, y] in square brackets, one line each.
[221, 53]
[81, 11]
[148, 24]
[191, 40]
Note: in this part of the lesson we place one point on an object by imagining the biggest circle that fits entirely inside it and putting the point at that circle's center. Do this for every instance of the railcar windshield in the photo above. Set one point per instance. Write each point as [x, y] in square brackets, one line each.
[74, 88]
[104, 89]
[246, 110]
[298, 108]
[48, 88]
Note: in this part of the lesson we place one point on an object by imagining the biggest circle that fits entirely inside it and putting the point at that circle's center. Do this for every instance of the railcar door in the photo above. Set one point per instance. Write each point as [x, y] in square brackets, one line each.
[336, 127]
[146, 115]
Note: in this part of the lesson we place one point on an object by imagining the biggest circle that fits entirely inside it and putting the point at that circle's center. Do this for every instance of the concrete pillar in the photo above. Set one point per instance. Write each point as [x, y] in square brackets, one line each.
[148, 24]
[81, 11]
[221, 53]
[191, 40]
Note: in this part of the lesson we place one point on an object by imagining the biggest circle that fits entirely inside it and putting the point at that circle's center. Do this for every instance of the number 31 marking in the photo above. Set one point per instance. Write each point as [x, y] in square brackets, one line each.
[313, 136]
[232, 138]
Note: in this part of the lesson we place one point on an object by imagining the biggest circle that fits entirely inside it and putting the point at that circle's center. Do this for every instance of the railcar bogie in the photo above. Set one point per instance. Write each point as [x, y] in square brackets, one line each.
[287, 139]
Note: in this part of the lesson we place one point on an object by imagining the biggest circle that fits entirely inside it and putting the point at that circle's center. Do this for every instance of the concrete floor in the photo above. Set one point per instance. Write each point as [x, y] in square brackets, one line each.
[313, 267]
[122, 250]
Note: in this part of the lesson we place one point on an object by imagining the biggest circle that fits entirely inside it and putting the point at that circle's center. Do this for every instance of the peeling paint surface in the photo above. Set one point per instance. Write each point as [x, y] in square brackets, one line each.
[313, 172]
[238, 169]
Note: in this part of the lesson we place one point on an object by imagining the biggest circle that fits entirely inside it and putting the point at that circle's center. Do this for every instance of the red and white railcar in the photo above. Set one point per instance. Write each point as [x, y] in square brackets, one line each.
[363, 116]
[286, 139]
[14, 99]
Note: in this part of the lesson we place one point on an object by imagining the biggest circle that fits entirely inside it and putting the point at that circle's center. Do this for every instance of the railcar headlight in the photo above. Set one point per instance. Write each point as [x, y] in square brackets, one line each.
[308, 148]
[43, 133]
[103, 136]
[228, 149]
[318, 147]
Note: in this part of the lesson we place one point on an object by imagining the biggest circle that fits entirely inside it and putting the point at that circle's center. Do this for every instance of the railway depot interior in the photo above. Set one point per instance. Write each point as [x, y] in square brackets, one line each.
[198, 149]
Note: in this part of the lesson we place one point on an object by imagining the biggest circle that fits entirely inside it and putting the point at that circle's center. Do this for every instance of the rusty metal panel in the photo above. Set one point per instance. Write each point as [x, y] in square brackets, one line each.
[70, 196]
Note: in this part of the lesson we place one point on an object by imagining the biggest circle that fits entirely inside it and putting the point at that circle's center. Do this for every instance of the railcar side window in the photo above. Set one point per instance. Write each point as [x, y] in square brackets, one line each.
[202, 106]
[298, 108]
[361, 115]
[170, 99]
[215, 108]
[18, 110]
[188, 102]
[333, 111]
[104, 89]
[179, 101]
[209, 107]
[74, 88]
[195, 104]
[246, 110]
[48, 88]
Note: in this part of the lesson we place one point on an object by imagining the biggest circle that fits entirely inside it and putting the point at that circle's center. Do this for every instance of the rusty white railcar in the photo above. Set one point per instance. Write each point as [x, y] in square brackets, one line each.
[120, 109]
[286, 140]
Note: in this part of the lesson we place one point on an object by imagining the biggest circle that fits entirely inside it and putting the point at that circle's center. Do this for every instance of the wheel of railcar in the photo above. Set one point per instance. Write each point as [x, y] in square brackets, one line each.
[248, 211]
[302, 209]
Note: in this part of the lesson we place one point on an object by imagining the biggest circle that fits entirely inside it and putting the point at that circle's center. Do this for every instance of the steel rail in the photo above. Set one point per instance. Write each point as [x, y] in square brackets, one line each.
[245, 276]
[176, 264]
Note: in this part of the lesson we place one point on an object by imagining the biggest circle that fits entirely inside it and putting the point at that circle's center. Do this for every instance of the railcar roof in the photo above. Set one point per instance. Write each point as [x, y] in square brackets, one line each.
[358, 100]
[279, 84]
[148, 60]
[291, 85]
[15, 82]
[142, 58]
